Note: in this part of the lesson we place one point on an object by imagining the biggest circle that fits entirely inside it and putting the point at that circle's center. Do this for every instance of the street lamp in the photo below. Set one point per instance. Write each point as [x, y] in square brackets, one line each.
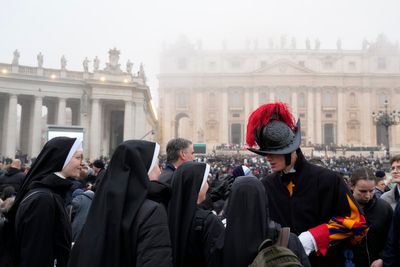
[386, 119]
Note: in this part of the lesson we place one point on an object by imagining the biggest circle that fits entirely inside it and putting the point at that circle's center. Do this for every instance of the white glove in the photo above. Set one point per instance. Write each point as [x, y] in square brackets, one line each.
[308, 242]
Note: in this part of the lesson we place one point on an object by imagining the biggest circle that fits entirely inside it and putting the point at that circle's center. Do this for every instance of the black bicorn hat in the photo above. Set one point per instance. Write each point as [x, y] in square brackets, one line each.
[272, 128]
[277, 138]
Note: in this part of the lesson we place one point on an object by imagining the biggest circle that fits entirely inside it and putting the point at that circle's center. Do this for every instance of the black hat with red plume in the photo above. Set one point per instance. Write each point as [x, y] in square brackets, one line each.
[271, 127]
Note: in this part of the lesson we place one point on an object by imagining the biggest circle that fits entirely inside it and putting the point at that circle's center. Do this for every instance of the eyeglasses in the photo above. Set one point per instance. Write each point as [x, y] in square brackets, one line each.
[395, 168]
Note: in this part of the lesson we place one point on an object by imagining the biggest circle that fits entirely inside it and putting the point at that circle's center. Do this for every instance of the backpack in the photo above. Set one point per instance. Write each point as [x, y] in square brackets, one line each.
[276, 254]
[8, 256]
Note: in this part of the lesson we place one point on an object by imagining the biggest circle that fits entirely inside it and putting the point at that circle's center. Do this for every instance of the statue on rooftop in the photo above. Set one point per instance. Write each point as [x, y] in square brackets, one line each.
[63, 62]
[16, 57]
[40, 59]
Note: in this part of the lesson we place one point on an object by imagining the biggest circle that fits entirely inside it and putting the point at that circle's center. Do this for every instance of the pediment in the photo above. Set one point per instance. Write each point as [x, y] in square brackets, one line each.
[284, 67]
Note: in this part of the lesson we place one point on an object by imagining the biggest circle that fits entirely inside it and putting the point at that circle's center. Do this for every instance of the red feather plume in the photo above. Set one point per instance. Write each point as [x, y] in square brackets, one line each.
[264, 114]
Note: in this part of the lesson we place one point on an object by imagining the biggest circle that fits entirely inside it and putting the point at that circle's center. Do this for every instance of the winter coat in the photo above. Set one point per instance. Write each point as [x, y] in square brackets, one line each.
[392, 196]
[379, 217]
[319, 195]
[391, 254]
[80, 209]
[13, 177]
[151, 231]
[166, 174]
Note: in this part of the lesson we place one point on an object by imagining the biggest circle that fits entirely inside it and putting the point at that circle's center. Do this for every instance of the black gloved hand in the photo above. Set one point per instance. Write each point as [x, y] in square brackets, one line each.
[222, 190]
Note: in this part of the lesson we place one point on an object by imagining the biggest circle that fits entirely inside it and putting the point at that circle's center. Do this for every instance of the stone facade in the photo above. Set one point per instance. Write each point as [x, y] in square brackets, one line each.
[110, 105]
[208, 95]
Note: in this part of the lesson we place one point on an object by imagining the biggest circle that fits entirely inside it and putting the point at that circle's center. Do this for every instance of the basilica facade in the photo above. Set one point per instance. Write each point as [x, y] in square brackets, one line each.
[105, 106]
[208, 95]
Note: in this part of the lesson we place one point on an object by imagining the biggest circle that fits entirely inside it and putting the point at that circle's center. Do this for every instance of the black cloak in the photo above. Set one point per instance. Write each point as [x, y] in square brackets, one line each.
[106, 239]
[42, 228]
[186, 184]
[247, 221]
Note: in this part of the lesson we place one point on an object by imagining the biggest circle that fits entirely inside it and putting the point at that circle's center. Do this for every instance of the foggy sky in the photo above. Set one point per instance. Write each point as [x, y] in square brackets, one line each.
[89, 28]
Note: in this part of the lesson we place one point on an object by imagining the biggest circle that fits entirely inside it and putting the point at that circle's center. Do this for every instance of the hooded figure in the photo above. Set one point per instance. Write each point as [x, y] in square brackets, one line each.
[248, 224]
[43, 231]
[196, 234]
[123, 227]
[312, 200]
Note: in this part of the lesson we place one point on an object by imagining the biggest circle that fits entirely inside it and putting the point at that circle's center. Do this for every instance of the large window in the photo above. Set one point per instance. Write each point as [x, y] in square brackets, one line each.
[302, 100]
[381, 63]
[383, 99]
[182, 63]
[328, 99]
[235, 99]
[182, 100]
[352, 99]
[236, 133]
[329, 134]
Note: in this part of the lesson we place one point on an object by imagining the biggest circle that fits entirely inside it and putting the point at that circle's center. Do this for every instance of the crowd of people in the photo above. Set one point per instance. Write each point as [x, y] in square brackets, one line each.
[214, 210]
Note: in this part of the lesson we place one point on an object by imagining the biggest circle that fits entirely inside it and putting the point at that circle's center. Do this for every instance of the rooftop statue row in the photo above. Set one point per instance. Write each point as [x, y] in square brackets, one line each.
[112, 66]
[381, 43]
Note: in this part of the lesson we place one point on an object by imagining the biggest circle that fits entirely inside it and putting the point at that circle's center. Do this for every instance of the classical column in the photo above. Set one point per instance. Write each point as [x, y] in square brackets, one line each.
[140, 119]
[36, 120]
[341, 120]
[366, 125]
[199, 108]
[95, 129]
[128, 120]
[224, 134]
[395, 134]
[247, 112]
[310, 116]
[61, 118]
[11, 130]
[318, 120]
[25, 134]
[3, 107]
[294, 106]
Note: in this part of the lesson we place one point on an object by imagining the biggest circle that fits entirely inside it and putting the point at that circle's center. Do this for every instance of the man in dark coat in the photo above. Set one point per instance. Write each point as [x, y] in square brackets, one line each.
[391, 255]
[179, 150]
[379, 217]
[313, 201]
[13, 176]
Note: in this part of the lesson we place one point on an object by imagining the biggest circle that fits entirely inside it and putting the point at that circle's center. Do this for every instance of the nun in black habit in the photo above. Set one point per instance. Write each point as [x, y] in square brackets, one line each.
[248, 224]
[123, 227]
[196, 234]
[42, 227]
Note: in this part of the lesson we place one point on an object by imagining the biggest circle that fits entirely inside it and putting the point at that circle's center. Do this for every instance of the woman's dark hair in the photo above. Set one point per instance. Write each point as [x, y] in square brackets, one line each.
[362, 174]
